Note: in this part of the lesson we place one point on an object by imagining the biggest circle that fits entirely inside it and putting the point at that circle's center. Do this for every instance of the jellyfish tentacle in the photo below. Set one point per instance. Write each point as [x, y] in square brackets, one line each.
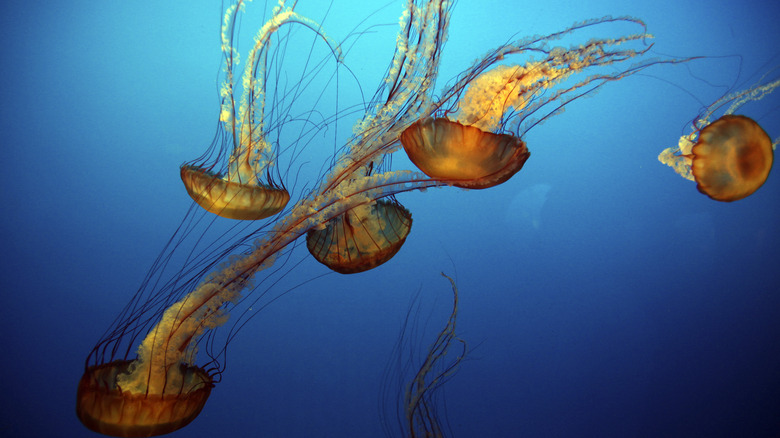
[406, 92]
[249, 153]
[432, 373]
[470, 149]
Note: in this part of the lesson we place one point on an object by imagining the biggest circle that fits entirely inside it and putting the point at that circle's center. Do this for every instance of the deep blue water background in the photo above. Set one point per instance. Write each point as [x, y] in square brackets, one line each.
[603, 294]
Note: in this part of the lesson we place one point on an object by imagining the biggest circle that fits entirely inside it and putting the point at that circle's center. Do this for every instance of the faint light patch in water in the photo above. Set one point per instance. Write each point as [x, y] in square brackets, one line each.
[524, 212]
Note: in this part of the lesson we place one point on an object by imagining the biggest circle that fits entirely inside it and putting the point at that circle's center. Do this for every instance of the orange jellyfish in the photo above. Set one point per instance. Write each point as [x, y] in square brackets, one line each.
[361, 238]
[475, 148]
[142, 377]
[235, 177]
[156, 393]
[731, 157]
[468, 156]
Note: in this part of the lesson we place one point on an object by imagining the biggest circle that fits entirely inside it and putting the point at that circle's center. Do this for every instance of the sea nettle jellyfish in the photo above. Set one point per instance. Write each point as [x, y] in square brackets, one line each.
[730, 157]
[362, 238]
[476, 141]
[236, 177]
[142, 378]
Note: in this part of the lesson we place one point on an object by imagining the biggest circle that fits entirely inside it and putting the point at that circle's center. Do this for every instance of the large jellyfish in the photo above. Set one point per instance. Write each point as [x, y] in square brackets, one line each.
[729, 158]
[142, 377]
[226, 180]
[468, 156]
[476, 142]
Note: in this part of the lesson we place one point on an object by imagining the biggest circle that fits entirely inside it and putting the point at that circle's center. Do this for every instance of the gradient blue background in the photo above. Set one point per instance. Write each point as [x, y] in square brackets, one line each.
[607, 296]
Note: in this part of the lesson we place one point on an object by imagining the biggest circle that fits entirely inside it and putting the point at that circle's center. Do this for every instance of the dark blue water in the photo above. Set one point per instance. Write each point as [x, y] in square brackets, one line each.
[601, 293]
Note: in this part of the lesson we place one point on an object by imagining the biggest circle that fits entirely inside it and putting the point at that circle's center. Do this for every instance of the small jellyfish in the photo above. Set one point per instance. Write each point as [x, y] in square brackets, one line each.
[729, 158]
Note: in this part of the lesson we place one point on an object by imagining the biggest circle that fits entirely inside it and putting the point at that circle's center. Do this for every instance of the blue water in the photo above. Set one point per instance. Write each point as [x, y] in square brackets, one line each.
[601, 294]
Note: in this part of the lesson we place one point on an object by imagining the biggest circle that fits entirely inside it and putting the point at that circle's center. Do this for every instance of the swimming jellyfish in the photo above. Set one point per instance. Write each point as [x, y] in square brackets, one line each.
[729, 158]
[476, 141]
[226, 180]
[361, 238]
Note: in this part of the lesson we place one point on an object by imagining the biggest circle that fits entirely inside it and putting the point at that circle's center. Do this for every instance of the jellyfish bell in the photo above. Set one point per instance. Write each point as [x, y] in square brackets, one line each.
[731, 158]
[362, 238]
[105, 408]
[231, 199]
[465, 155]
[466, 152]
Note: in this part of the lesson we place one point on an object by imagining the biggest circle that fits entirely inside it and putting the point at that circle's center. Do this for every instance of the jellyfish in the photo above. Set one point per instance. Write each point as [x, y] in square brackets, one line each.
[729, 158]
[472, 145]
[158, 392]
[361, 238]
[226, 180]
[468, 156]
[416, 409]
[142, 378]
